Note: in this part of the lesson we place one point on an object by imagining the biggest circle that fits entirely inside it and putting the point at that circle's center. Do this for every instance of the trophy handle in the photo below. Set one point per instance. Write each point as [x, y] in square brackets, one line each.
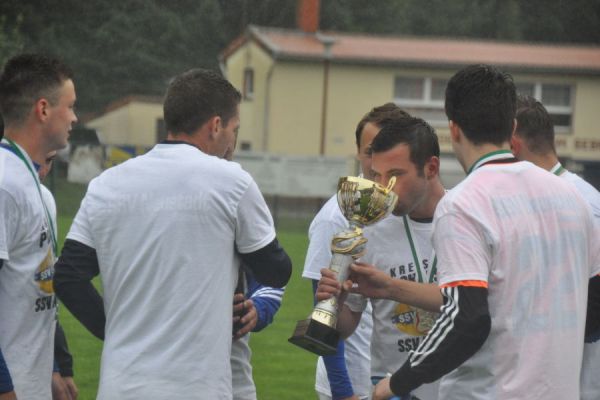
[390, 185]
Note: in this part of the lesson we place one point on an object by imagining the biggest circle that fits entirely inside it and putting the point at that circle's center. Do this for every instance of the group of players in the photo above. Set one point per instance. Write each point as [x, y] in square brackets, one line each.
[470, 293]
[503, 246]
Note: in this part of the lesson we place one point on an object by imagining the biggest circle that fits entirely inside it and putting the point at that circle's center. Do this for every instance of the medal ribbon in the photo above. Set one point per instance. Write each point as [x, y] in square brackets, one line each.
[558, 169]
[490, 157]
[15, 149]
[429, 275]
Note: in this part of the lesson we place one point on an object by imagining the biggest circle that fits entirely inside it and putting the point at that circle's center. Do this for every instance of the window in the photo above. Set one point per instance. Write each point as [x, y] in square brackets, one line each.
[422, 97]
[248, 88]
[557, 98]
[245, 146]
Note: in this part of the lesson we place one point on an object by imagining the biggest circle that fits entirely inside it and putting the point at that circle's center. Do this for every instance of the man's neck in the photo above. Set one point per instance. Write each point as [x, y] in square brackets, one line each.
[546, 161]
[474, 152]
[195, 140]
[28, 141]
[427, 209]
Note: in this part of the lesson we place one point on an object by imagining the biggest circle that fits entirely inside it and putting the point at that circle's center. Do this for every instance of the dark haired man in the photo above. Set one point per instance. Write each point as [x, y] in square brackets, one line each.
[398, 248]
[515, 252]
[346, 374]
[533, 141]
[166, 231]
[37, 96]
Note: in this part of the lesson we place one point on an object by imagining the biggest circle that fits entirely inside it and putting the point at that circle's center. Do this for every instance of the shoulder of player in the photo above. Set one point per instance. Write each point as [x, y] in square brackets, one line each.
[329, 216]
[15, 178]
[585, 188]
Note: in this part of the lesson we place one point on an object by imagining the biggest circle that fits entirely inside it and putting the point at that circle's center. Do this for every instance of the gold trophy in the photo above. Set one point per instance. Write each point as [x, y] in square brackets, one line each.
[363, 202]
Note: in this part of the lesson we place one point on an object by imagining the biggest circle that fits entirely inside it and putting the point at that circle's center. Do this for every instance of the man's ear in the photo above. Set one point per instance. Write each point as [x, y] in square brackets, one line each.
[41, 109]
[516, 143]
[432, 167]
[455, 131]
[214, 127]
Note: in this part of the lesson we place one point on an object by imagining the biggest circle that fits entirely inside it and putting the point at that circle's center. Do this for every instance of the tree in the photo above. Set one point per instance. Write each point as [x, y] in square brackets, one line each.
[123, 47]
[11, 40]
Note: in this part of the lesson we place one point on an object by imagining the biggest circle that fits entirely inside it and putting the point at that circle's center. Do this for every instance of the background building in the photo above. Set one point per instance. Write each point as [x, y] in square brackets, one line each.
[305, 90]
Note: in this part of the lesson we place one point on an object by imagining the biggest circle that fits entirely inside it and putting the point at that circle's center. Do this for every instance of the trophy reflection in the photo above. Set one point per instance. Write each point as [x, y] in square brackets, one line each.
[362, 202]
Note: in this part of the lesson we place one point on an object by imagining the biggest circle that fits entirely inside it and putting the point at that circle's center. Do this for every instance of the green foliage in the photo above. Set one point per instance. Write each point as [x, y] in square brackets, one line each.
[125, 47]
[11, 40]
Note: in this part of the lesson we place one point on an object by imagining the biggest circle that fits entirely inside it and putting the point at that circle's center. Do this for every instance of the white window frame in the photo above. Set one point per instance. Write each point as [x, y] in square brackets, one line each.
[426, 101]
[562, 110]
[248, 83]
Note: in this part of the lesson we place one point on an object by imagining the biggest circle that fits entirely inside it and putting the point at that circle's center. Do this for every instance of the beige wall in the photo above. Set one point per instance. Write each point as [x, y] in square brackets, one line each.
[252, 111]
[293, 108]
[132, 124]
[585, 144]
[294, 122]
[113, 127]
[352, 91]
[144, 118]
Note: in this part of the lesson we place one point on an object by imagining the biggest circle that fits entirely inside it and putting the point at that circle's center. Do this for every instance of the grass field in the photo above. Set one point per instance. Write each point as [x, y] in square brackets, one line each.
[281, 370]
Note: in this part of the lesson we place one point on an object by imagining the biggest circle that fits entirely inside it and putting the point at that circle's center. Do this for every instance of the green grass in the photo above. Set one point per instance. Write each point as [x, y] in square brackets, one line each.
[281, 370]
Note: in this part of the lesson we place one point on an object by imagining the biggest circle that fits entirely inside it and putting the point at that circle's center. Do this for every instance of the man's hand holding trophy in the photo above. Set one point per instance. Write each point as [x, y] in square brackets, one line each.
[362, 202]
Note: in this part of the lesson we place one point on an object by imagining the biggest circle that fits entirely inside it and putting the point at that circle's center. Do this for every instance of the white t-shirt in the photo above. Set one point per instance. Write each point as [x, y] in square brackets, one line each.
[27, 300]
[329, 221]
[241, 369]
[50, 205]
[590, 370]
[528, 234]
[165, 227]
[397, 328]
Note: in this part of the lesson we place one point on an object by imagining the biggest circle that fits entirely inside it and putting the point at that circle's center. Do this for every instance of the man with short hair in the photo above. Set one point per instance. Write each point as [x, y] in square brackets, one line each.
[346, 374]
[167, 232]
[37, 96]
[515, 248]
[398, 247]
[533, 141]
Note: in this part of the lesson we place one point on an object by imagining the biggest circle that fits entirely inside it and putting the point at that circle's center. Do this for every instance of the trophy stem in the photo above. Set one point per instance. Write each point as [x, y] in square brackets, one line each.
[362, 202]
[318, 333]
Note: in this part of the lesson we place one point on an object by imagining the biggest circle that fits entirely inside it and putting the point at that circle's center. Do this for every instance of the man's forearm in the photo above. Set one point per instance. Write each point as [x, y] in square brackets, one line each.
[422, 295]
[6, 384]
[461, 330]
[592, 326]
[335, 365]
[75, 269]
[347, 321]
[62, 356]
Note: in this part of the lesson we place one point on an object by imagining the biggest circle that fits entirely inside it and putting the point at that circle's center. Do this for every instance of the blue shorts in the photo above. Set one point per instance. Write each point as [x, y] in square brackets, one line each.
[6, 384]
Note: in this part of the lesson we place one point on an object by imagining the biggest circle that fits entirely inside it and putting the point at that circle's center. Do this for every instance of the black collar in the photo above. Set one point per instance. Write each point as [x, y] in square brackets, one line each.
[167, 141]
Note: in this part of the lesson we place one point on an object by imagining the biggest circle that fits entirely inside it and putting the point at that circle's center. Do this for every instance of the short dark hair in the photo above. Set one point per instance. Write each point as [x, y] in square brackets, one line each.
[414, 132]
[194, 97]
[535, 126]
[25, 79]
[380, 116]
[481, 100]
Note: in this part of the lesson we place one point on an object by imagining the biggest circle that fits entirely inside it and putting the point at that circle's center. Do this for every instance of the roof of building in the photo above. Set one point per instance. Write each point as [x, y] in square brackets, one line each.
[413, 51]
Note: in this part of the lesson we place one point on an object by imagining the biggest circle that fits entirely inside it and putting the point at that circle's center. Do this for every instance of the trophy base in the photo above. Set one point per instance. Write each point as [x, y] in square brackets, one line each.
[315, 337]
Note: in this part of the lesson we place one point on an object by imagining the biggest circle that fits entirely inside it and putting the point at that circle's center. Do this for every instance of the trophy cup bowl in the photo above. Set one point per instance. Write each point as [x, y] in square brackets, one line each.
[362, 202]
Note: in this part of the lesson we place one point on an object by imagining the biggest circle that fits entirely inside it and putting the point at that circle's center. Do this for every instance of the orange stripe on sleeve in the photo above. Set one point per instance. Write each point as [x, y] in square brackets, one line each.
[482, 284]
